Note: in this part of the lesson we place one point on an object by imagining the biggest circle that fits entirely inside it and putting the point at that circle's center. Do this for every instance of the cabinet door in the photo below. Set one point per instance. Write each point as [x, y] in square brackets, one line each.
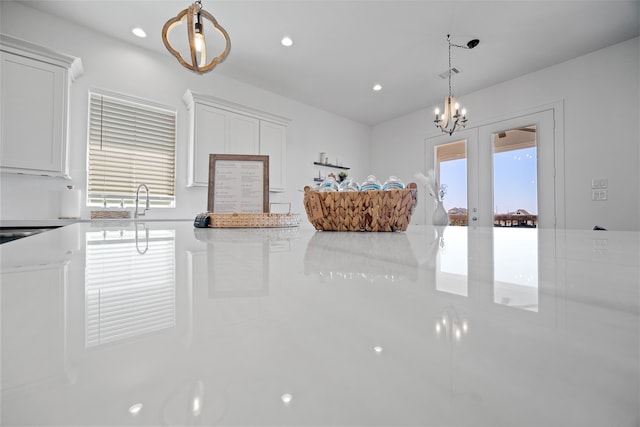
[34, 116]
[209, 138]
[242, 134]
[273, 142]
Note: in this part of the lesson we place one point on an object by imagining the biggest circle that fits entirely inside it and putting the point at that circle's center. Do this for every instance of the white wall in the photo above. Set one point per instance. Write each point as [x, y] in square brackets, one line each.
[116, 66]
[601, 97]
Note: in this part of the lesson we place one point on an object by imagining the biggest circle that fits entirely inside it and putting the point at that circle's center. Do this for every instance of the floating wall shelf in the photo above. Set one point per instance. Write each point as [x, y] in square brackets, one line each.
[329, 165]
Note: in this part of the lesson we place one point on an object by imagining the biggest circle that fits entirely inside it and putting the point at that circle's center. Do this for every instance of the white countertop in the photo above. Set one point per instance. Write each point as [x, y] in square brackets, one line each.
[61, 222]
[162, 324]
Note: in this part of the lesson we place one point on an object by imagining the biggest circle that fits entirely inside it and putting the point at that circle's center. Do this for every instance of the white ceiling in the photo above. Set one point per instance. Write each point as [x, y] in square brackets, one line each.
[343, 47]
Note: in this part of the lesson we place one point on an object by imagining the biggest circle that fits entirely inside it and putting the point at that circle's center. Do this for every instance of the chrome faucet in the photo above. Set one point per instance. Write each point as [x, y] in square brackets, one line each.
[136, 215]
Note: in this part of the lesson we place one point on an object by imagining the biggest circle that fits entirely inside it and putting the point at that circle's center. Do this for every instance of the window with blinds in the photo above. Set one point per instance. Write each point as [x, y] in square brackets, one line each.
[131, 142]
[130, 284]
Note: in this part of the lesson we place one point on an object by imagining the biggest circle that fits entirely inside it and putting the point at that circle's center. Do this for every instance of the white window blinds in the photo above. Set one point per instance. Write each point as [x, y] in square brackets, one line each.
[130, 143]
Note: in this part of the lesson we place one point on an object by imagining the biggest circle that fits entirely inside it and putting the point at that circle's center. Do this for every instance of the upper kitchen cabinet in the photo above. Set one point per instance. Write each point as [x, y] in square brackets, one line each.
[273, 143]
[218, 126]
[34, 110]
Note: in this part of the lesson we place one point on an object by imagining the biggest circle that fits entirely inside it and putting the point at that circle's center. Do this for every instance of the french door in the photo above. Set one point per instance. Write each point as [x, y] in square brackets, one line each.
[499, 174]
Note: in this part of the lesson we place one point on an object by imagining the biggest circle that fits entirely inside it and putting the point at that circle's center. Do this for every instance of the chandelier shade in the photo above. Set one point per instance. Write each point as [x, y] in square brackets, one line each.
[195, 16]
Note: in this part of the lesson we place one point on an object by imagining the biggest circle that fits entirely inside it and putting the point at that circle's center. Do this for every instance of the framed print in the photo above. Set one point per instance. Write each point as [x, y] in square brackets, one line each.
[238, 183]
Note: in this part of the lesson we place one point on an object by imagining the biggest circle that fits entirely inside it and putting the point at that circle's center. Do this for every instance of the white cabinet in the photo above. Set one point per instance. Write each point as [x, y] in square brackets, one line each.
[243, 134]
[218, 126]
[207, 135]
[34, 94]
[273, 143]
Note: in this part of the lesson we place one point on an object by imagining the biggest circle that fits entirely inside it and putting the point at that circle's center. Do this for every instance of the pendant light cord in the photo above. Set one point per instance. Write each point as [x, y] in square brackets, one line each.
[449, 41]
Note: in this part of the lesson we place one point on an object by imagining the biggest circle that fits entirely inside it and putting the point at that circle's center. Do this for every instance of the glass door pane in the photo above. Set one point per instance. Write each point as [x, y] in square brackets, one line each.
[515, 178]
[451, 172]
[516, 172]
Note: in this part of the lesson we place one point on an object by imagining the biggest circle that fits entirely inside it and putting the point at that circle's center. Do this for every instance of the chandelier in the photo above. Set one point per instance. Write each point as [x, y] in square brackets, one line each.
[453, 116]
[195, 33]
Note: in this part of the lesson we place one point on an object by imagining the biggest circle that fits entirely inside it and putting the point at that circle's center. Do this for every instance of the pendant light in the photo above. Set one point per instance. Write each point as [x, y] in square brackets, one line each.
[452, 117]
[196, 38]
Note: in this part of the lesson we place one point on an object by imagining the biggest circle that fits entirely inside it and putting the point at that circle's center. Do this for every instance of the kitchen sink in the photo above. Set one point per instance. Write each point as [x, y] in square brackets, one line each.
[8, 234]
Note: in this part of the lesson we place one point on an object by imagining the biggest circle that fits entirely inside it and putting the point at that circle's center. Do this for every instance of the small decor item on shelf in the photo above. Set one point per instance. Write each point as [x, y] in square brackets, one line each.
[372, 210]
[349, 184]
[371, 183]
[342, 176]
[393, 183]
[329, 184]
[440, 216]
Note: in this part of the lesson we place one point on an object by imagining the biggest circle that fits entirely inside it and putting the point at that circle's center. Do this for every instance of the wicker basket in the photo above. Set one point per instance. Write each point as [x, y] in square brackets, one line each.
[361, 211]
[253, 220]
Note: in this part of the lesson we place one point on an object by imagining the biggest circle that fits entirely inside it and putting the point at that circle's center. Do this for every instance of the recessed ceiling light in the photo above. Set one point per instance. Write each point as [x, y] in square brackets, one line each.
[377, 87]
[287, 41]
[139, 32]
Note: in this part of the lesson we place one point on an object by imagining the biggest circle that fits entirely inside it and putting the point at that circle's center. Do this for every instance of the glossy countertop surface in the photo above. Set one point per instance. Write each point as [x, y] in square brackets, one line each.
[158, 323]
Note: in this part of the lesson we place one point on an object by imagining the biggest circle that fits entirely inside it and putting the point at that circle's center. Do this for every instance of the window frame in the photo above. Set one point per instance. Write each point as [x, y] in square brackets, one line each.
[128, 200]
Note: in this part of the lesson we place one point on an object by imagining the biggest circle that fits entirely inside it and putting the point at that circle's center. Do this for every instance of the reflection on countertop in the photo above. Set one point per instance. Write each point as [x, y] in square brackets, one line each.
[165, 324]
[370, 256]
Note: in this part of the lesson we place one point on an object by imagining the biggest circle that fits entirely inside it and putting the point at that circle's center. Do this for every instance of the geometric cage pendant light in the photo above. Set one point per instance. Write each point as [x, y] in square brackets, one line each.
[452, 117]
[197, 61]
